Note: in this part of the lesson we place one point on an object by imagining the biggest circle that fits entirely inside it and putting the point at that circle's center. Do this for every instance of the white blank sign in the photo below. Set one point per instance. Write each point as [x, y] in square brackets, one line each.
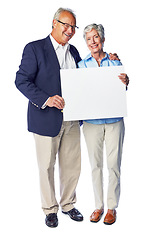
[93, 93]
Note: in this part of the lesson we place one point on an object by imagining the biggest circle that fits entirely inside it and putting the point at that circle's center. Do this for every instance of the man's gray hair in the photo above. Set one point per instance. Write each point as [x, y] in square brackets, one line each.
[98, 27]
[60, 10]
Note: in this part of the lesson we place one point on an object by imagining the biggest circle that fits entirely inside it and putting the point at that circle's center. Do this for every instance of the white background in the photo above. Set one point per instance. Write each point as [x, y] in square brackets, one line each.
[132, 31]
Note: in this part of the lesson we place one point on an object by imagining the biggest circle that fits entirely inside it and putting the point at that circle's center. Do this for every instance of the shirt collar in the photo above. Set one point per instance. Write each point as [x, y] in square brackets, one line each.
[89, 56]
[56, 45]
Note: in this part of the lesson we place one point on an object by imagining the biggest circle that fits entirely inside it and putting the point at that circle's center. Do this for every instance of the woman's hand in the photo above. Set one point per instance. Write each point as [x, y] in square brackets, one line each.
[113, 56]
[124, 78]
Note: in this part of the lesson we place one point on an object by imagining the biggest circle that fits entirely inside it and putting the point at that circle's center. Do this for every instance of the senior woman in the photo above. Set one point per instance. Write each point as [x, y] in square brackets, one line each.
[98, 131]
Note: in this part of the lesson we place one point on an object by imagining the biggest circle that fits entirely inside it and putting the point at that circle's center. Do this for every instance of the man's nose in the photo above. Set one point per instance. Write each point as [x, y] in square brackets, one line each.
[70, 29]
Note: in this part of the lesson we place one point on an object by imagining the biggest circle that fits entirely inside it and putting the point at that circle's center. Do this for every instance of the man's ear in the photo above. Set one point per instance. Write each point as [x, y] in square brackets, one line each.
[54, 23]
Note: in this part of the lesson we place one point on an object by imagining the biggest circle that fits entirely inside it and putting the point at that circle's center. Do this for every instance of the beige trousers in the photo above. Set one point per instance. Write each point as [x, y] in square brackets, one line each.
[67, 145]
[95, 136]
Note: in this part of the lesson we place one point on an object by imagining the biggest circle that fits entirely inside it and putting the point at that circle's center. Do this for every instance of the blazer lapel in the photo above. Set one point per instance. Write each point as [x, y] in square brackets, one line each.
[50, 54]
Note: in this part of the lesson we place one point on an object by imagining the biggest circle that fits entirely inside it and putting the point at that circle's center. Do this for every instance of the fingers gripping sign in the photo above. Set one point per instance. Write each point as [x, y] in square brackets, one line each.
[56, 101]
[124, 78]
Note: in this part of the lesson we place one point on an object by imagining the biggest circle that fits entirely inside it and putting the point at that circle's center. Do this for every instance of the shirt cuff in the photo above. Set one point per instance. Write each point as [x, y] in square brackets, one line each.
[44, 105]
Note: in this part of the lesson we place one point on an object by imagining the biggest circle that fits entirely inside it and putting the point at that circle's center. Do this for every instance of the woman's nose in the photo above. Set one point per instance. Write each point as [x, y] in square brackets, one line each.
[92, 40]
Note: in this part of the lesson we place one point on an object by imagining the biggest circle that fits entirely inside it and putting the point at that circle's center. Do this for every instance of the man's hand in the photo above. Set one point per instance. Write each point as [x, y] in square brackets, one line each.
[113, 56]
[124, 78]
[56, 101]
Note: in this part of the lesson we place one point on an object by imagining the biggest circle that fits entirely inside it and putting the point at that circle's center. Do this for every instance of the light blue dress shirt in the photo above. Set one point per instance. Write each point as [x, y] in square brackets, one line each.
[90, 62]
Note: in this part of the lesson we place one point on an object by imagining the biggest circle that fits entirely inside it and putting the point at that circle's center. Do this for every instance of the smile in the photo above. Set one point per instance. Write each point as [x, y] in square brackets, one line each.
[94, 46]
[68, 35]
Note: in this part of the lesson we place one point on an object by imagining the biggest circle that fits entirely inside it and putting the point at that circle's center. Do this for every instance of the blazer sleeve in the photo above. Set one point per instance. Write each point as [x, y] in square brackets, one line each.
[26, 75]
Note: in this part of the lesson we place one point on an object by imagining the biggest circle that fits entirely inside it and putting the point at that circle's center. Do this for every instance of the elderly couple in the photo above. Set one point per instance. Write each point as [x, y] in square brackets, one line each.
[38, 78]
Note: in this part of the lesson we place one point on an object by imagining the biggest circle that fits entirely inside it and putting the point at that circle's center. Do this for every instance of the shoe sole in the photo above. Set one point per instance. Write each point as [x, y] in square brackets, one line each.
[106, 223]
[95, 221]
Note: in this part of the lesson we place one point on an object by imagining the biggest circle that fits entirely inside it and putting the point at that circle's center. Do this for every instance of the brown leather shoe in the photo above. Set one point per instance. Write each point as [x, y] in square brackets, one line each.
[110, 217]
[96, 215]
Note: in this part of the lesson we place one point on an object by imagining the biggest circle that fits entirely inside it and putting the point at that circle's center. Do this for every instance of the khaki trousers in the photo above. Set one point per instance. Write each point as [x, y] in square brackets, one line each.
[67, 145]
[112, 135]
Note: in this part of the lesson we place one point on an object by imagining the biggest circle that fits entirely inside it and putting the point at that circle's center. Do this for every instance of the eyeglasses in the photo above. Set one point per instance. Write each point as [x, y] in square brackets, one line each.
[66, 25]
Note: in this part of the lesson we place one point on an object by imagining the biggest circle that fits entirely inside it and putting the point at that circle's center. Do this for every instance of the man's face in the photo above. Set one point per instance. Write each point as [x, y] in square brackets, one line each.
[60, 32]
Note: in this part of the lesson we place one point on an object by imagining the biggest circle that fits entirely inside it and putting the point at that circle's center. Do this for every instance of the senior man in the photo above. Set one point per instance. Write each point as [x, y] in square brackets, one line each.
[38, 79]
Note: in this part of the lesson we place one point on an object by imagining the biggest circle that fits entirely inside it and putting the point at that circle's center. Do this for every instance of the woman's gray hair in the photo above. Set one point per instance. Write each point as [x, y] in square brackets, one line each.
[60, 10]
[98, 27]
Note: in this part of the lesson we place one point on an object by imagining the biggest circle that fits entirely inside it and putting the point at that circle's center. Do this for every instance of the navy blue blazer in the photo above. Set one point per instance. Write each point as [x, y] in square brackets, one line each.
[38, 78]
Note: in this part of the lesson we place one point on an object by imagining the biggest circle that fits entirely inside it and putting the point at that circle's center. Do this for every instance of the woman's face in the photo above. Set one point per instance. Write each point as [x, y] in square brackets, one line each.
[94, 42]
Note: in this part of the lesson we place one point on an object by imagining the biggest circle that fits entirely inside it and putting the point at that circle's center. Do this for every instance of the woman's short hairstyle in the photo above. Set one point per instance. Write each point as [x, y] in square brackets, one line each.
[98, 27]
[60, 10]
